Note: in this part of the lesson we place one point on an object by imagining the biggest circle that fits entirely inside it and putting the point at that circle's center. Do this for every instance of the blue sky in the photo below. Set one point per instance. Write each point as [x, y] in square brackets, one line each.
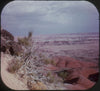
[49, 17]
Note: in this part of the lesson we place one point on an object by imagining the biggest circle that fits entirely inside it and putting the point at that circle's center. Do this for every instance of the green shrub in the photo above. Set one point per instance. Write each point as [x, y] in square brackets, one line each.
[63, 75]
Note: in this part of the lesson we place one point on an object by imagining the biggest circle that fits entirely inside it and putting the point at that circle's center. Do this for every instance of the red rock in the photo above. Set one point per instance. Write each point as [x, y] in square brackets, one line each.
[78, 73]
[87, 71]
[61, 64]
[85, 82]
[67, 62]
[75, 87]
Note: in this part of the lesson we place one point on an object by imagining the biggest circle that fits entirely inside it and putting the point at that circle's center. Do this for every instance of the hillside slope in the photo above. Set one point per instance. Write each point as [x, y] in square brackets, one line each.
[10, 80]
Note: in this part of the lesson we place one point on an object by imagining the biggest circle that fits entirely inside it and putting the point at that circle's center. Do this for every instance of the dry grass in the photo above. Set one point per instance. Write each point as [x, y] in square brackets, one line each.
[14, 65]
[23, 41]
[26, 40]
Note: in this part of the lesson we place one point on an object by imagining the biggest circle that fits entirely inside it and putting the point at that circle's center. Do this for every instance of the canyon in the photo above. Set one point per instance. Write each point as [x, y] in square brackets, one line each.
[60, 61]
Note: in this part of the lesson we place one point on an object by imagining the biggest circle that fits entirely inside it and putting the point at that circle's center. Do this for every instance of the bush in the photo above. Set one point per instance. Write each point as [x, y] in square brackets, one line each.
[23, 41]
[48, 74]
[51, 80]
[52, 62]
[26, 41]
[38, 86]
[47, 61]
[14, 65]
[63, 75]
[50, 77]
[29, 35]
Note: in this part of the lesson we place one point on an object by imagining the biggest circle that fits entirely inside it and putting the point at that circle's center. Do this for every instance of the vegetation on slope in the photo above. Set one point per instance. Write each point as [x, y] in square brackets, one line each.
[29, 66]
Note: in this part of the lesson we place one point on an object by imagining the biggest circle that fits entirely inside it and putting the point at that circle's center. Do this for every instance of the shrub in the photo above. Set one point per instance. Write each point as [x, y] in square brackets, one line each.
[63, 75]
[50, 77]
[14, 65]
[52, 62]
[23, 41]
[26, 41]
[38, 86]
[29, 35]
[48, 74]
[47, 61]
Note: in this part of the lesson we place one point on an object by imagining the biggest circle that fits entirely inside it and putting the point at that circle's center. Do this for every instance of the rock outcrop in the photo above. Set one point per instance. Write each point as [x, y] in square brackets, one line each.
[7, 35]
[81, 75]
[8, 45]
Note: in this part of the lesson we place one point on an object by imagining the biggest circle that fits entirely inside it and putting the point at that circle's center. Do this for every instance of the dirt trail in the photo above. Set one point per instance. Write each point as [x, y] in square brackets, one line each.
[9, 79]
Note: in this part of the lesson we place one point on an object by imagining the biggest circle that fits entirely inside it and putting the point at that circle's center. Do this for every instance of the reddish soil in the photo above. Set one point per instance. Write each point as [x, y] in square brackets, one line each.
[78, 72]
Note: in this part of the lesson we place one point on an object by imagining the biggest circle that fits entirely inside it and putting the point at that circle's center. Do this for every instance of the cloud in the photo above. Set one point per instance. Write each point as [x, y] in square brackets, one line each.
[49, 17]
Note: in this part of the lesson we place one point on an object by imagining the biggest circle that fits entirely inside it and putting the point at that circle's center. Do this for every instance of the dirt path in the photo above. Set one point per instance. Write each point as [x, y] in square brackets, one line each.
[9, 79]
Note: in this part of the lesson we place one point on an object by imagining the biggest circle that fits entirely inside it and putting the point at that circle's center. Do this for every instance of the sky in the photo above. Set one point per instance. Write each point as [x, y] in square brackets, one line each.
[49, 17]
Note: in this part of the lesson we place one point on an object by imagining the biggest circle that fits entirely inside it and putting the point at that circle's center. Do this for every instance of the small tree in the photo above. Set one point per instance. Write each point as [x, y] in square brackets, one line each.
[26, 41]
[29, 35]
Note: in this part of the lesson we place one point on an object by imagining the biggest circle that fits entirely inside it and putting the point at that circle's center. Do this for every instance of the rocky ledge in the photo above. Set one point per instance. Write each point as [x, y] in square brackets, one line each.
[8, 45]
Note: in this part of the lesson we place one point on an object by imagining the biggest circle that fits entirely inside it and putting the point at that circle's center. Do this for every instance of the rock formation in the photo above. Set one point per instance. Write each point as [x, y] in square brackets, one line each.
[8, 36]
[81, 74]
[8, 45]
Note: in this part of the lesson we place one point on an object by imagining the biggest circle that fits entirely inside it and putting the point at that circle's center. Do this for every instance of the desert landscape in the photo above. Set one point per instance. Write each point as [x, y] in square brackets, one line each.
[50, 62]
[81, 46]
[50, 45]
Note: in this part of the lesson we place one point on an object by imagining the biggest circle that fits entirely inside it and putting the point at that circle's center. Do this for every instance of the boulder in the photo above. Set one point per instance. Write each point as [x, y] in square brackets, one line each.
[83, 81]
